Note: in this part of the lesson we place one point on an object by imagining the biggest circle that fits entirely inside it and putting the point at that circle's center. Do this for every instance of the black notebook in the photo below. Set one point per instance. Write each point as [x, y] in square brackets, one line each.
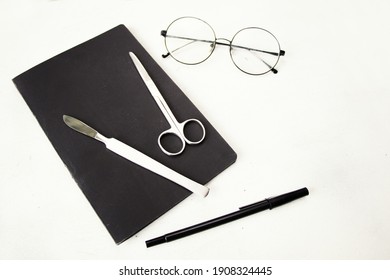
[97, 83]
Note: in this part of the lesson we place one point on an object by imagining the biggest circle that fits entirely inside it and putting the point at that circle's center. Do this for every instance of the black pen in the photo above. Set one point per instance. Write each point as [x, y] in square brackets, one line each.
[247, 210]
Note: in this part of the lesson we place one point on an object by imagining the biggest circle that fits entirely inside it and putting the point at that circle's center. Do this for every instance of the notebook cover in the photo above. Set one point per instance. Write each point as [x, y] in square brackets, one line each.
[97, 83]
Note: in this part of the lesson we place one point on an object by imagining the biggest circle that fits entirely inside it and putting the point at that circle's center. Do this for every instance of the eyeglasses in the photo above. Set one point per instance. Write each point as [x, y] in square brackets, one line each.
[253, 50]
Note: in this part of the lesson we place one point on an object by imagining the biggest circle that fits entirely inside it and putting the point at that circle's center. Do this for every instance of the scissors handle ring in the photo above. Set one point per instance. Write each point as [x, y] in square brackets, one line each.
[173, 132]
[178, 131]
[188, 141]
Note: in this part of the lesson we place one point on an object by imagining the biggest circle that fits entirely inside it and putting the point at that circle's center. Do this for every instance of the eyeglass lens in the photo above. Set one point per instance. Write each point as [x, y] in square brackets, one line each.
[190, 40]
[255, 50]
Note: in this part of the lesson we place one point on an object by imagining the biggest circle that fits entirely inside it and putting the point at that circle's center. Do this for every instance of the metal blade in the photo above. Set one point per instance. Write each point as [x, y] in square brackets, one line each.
[79, 126]
[145, 76]
[141, 70]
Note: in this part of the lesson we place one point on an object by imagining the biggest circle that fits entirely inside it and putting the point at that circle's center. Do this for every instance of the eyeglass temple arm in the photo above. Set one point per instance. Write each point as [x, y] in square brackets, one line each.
[271, 68]
[281, 52]
[256, 50]
[164, 34]
[189, 43]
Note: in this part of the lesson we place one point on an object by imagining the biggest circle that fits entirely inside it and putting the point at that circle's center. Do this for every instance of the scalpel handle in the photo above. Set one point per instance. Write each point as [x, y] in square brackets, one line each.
[143, 160]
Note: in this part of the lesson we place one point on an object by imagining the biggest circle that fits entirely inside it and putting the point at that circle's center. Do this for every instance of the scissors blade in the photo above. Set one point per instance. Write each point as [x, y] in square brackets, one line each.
[162, 104]
[144, 75]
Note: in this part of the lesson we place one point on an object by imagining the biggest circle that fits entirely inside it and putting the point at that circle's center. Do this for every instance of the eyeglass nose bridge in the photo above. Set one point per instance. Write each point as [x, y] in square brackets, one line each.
[222, 42]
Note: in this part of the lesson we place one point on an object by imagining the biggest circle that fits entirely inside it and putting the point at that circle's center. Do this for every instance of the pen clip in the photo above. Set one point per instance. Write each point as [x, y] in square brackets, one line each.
[264, 202]
[276, 201]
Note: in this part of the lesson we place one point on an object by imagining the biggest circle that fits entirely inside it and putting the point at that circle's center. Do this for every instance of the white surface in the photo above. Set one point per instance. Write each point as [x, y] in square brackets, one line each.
[321, 122]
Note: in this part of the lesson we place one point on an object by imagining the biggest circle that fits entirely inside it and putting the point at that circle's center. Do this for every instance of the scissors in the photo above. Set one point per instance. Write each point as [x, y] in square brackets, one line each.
[176, 129]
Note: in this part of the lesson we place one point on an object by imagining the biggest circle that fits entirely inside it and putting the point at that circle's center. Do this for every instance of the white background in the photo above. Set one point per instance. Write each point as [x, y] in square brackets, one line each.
[322, 122]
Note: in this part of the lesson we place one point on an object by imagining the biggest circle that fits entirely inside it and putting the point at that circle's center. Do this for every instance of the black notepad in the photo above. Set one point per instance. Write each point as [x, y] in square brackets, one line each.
[97, 83]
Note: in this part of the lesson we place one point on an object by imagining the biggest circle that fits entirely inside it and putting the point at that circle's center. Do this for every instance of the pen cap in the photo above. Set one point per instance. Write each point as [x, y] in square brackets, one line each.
[155, 241]
[287, 197]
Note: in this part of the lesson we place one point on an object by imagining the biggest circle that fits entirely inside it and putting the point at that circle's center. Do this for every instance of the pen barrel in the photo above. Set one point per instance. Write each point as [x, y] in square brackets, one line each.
[247, 210]
[215, 222]
[266, 204]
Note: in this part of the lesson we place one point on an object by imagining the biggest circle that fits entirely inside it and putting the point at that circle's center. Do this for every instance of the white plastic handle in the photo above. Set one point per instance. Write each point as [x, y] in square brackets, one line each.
[143, 160]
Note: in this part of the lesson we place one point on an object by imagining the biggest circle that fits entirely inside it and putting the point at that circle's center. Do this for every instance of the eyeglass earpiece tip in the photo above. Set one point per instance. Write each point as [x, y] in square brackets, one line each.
[166, 55]
[274, 71]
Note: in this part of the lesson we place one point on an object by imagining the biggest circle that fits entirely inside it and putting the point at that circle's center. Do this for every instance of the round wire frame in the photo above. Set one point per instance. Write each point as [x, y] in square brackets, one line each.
[271, 67]
[171, 53]
[231, 45]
